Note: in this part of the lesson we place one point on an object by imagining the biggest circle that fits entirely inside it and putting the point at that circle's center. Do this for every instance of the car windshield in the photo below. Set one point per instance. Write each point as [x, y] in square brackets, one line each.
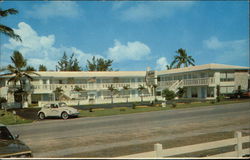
[5, 134]
[62, 105]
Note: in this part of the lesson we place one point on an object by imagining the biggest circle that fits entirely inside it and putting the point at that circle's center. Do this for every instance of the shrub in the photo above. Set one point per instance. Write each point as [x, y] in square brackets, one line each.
[122, 109]
[168, 95]
[180, 92]
[2, 100]
[90, 109]
[212, 102]
[174, 105]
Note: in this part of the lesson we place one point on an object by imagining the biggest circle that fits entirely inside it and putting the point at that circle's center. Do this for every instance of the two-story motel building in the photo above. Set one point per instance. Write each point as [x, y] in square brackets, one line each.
[199, 81]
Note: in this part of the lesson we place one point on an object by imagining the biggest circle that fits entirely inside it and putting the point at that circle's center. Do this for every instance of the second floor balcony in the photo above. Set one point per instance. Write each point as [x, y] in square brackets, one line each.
[189, 82]
[89, 86]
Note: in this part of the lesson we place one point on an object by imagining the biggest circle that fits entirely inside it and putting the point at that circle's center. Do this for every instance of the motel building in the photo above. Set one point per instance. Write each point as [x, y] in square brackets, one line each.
[199, 82]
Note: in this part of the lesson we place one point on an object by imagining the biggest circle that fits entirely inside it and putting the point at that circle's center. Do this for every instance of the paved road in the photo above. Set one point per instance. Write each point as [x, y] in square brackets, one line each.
[59, 138]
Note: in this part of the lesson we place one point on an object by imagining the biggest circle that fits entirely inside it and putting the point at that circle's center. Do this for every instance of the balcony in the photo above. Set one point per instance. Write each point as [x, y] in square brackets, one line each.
[48, 88]
[189, 82]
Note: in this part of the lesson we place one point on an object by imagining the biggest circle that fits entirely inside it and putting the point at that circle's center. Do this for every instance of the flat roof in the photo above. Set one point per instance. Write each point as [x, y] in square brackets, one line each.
[79, 74]
[211, 66]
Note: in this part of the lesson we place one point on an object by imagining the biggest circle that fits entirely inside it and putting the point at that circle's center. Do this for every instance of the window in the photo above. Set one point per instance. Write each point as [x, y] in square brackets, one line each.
[226, 76]
[44, 81]
[194, 92]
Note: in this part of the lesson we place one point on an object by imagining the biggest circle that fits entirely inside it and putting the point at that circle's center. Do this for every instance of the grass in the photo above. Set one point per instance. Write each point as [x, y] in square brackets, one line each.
[7, 118]
[128, 110]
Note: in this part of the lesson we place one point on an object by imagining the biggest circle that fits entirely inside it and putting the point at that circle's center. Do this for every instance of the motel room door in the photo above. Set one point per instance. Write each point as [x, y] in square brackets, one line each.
[203, 92]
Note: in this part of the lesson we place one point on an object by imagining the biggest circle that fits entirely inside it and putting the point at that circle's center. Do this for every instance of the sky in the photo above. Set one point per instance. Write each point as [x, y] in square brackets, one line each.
[135, 35]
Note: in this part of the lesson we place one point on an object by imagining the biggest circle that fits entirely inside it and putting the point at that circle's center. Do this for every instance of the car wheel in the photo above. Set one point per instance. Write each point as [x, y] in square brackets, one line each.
[65, 115]
[41, 115]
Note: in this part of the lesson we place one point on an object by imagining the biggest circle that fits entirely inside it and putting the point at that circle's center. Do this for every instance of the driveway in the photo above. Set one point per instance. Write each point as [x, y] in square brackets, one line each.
[59, 138]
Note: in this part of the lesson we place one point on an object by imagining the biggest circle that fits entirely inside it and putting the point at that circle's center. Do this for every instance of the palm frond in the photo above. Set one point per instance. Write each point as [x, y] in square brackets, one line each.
[4, 13]
[9, 32]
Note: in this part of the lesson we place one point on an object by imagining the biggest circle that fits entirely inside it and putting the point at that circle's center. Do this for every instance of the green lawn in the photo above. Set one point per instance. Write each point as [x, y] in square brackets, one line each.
[8, 118]
[128, 110]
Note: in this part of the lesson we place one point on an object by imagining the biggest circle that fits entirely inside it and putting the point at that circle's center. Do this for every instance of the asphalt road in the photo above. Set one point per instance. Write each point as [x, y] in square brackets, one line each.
[59, 138]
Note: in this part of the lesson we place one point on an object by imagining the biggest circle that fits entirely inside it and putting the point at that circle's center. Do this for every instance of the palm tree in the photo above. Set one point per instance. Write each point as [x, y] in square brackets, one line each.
[182, 59]
[112, 90]
[140, 90]
[126, 88]
[20, 74]
[5, 29]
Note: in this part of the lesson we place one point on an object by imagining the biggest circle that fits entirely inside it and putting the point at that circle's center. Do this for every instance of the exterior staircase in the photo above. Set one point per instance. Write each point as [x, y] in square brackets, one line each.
[174, 87]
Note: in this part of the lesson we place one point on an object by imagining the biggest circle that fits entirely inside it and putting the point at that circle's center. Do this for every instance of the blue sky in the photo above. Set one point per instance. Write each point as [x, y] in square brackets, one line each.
[134, 34]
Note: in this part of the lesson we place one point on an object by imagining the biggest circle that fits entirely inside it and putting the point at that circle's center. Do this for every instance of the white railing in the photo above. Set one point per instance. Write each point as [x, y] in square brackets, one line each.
[176, 85]
[189, 82]
[238, 141]
[94, 86]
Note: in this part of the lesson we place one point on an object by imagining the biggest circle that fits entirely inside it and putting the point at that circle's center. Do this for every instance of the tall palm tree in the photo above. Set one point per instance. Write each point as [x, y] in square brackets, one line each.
[140, 90]
[126, 88]
[112, 90]
[5, 29]
[19, 74]
[182, 59]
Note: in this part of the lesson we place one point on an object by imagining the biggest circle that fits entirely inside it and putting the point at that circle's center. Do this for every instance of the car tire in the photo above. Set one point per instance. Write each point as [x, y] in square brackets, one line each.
[65, 115]
[41, 116]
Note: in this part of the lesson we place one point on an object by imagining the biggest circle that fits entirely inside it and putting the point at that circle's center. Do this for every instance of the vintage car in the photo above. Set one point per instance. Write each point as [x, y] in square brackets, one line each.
[12, 147]
[57, 110]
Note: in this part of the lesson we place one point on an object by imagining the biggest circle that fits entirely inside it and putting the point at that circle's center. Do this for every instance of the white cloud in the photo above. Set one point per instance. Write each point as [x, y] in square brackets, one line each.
[153, 10]
[54, 9]
[161, 63]
[132, 51]
[213, 43]
[228, 51]
[40, 49]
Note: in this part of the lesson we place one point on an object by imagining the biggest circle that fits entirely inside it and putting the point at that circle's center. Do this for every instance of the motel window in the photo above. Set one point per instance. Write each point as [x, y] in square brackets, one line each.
[226, 76]
[44, 81]
[194, 92]
[185, 76]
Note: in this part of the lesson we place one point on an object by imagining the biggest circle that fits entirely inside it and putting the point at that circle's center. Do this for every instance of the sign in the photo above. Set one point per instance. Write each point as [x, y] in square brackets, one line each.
[150, 78]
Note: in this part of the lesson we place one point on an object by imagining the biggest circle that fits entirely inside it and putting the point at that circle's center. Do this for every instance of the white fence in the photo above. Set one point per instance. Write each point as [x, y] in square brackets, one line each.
[159, 152]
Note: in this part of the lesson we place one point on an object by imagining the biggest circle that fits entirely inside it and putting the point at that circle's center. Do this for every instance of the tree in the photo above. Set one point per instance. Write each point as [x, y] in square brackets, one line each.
[58, 92]
[180, 92]
[169, 67]
[99, 64]
[42, 67]
[140, 90]
[30, 68]
[182, 59]
[112, 90]
[68, 64]
[168, 95]
[126, 88]
[20, 74]
[5, 29]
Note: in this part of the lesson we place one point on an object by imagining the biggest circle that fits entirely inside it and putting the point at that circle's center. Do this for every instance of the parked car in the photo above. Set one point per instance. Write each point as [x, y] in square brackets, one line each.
[11, 146]
[238, 94]
[246, 94]
[57, 110]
